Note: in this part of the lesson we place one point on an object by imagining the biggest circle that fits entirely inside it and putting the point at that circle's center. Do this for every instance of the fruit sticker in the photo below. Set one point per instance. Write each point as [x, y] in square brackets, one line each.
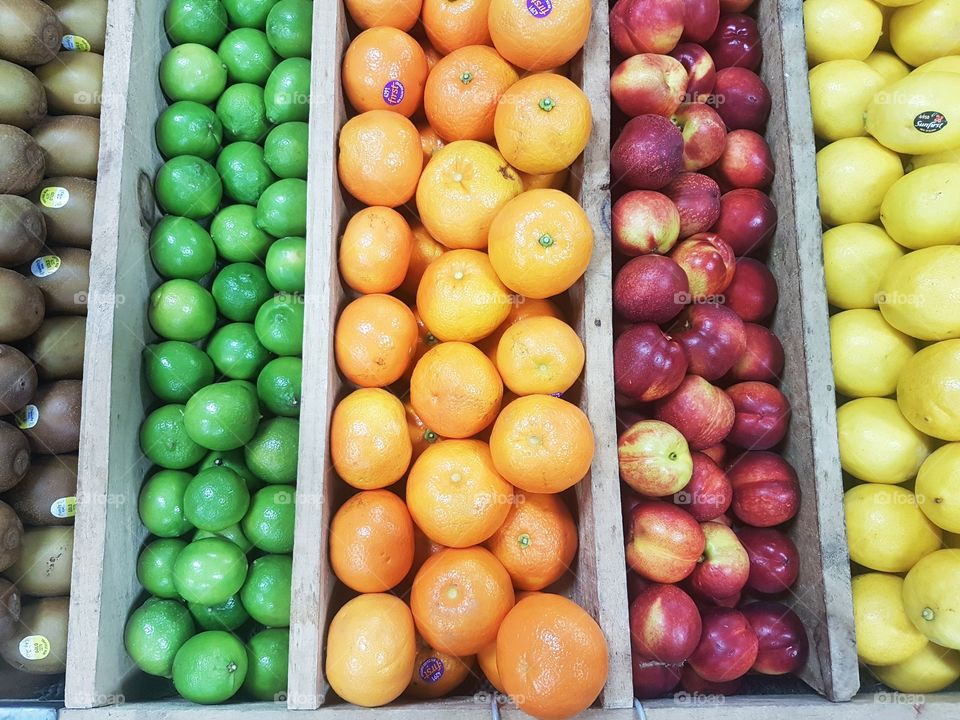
[45, 265]
[393, 92]
[431, 670]
[539, 8]
[76, 42]
[930, 121]
[28, 417]
[34, 647]
[65, 507]
[54, 197]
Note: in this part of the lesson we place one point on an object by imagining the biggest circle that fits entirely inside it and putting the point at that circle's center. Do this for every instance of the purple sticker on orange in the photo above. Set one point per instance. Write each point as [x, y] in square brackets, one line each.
[393, 92]
[431, 670]
[539, 8]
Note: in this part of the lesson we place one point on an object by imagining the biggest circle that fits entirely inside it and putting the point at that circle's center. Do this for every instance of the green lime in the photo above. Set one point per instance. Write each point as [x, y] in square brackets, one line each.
[243, 114]
[233, 533]
[161, 503]
[209, 571]
[268, 653]
[279, 386]
[155, 566]
[195, 21]
[175, 370]
[193, 72]
[155, 632]
[182, 310]
[248, 13]
[164, 440]
[240, 289]
[236, 351]
[290, 28]
[222, 416]
[286, 264]
[215, 499]
[244, 172]
[272, 453]
[238, 238]
[287, 92]
[181, 248]
[248, 56]
[232, 459]
[188, 186]
[268, 523]
[279, 324]
[228, 615]
[189, 128]
[210, 667]
[282, 208]
[266, 592]
[286, 151]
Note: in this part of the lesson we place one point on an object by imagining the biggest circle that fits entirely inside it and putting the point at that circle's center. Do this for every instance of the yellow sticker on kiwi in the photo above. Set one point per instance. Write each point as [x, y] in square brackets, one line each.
[28, 417]
[54, 197]
[34, 647]
[45, 265]
[76, 42]
[65, 507]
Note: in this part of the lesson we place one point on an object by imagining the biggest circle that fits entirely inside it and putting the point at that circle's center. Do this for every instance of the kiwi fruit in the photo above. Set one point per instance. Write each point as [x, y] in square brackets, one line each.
[56, 348]
[22, 230]
[47, 495]
[21, 306]
[11, 536]
[38, 643]
[73, 82]
[14, 455]
[63, 276]
[67, 207]
[21, 162]
[23, 101]
[9, 608]
[57, 426]
[70, 144]
[30, 32]
[18, 380]
[46, 557]
[85, 18]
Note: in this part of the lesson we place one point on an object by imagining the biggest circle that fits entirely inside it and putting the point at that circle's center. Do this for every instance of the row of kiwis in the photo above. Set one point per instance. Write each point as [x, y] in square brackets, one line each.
[51, 75]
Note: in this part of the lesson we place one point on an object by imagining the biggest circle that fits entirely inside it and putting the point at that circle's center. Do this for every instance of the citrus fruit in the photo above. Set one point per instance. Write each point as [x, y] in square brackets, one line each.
[931, 670]
[248, 13]
[243, 113]
[279, 386]
[487, 660]
[236, 352]
[456, 390]
[461, 94]
[461, 190]
[436, 673]
[247, 55]
[155, 566]
[938, 487]
[380, 158]
[552, 656]
[176, 370]
[233, 533]
[286, 264]
[421, 437]
[521, 308]
[889, 66]
[188, 128]
[286, 150]
[155, 632]
[192, 72]
[374, 340]
[369, 443]
[188, 186]
[840, 91]
[210, 667]
[401, 14]
[228, 615]
[268, 654]
[885, 635]
[222, 416]
[371, 648]
[925, 31]
[841, 29]
[423, 252]
[269, 521]
[539, 35]
[922, 208]
[384, 69]
[425, 341]
[920, 293]
[868, 354]
[236, 235]
[542, 444]
[930, 597]
[455, 495]
[232, 459]
[209, 571]
[239, 290]
[195, 21]
[928, 390]
[215, 499]
[279, 324]
[272, 453]
[282, 208]
[430, 142]
[944, 63]
[290, 28]
[919, 161]
[853, 175]
[453, 24]
[542, 123]
[181, 248]
[266, 592]
[375, 250]
[459, 598]
[164, 439]
[855, 258]
[545, 181]
[286, 94]
[913, 115]
[244, 172]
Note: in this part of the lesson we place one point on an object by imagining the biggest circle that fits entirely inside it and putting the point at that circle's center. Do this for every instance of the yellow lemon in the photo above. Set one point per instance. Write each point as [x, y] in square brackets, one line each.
[920, 293]
[931, 599]
[886, 530]
[896, 3]
[944, 156]
[922, 209]
[840, 29]
[839, 93]
[930, 29]
[885, 634]
[947, 63]
[868, 354]
[855, 259]
[853, 175]
[930, 670]
[918, 114]
[929, 390]
[938, 487]
[877, 444]
[887, 64]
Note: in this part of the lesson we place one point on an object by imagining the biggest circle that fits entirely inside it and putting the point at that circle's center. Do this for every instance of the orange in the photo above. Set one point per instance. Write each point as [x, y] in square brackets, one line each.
[425, 251]
[552, 181]
[453, 24]
[369, 441]
[433, 55]
[540, 243]
[459, 598]
[461, 298]
[455, 495]
[487, 660]
[461, 190]
[462, 92]
[542, 444]
[456, 390]
[520, 309]
[371, 541]
[540, 355]
[375, 340]
[384, 69]
[430, 142]
[537, 542]
[539, 34]
[380, 158]
[437, 673]
[425, 341]
[552, 657]
[542, 123]
[375, 250]
[401, 14]
[371, 649]
[421, 437]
